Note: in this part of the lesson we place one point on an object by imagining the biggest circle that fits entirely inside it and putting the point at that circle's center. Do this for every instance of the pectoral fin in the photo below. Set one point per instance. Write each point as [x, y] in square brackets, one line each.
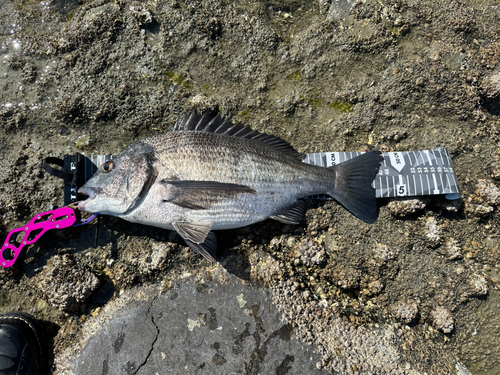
[199, 238]
[291, 215]
[201, 195]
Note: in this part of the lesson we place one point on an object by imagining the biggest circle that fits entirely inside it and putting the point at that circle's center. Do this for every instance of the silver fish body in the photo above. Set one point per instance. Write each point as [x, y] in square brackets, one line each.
[209, 174]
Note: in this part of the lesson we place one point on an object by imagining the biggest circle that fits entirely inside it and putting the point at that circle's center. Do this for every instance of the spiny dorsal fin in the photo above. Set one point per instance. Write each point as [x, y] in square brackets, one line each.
[211, 123]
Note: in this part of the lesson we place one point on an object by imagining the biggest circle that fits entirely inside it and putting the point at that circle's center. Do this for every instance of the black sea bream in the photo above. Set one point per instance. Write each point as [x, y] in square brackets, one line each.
[209, 174]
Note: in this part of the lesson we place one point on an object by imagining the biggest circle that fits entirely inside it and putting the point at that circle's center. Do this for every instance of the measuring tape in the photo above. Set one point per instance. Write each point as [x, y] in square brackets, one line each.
[404, 173]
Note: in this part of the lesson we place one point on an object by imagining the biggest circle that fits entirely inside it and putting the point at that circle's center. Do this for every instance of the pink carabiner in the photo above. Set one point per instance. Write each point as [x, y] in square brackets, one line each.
[56, 219]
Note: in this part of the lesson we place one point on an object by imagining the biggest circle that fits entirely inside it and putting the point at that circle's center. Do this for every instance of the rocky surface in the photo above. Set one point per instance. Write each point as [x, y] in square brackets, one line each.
[413, 293]
[65, 284]
[197, 326]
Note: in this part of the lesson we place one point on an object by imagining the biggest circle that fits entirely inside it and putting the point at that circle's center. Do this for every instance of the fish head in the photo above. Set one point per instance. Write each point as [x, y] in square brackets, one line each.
[119, 185]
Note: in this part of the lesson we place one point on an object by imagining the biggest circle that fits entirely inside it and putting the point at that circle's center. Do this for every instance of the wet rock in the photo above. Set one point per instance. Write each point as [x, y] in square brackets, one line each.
[374, 287]
[283, 68]
[451, 206]
[443, 319]
[402, 208]
[143, 16]
[29, 73]
[91, 22]
[152, 261]
[383, 252]
[479, 210]
[495, 165]
[16, 62]
[395, 136]
[368, 348]
[348, 278]
[65, 283]
[490, 86]
[201, 102]
[311, 254]
[12, 118]
[495, 170]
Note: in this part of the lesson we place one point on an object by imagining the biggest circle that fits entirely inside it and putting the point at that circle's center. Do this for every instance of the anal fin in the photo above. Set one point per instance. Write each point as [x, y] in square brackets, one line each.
[292, 215]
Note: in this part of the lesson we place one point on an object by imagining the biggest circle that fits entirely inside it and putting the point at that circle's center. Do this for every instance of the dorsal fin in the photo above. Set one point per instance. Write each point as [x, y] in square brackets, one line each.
[211, 123]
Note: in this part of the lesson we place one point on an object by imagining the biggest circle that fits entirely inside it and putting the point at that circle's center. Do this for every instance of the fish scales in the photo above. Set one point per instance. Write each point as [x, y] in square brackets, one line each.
[210, 174]
[208, 156]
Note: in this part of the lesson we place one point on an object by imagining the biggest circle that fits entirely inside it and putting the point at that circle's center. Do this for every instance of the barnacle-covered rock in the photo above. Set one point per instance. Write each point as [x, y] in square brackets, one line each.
[65, 283]
[484, 200]
[406, 207]
[443, 319]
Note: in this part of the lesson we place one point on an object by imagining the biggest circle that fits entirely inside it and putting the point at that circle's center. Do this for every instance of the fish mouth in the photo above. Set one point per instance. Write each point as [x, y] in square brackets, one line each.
[89, 193]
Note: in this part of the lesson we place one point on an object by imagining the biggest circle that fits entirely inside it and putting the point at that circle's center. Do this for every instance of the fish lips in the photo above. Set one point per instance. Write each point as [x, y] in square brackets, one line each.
[88, 192]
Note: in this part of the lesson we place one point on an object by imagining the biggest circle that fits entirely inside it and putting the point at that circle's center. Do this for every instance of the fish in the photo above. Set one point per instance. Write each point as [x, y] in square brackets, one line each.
[210, 174]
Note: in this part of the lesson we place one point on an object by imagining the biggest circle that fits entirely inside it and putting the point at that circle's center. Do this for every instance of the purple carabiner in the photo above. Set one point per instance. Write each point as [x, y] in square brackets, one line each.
[85, 221]
[56, 219]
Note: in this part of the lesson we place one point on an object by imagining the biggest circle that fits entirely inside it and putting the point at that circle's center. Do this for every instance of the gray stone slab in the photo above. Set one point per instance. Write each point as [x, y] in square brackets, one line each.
[195, 328]
[122, 345]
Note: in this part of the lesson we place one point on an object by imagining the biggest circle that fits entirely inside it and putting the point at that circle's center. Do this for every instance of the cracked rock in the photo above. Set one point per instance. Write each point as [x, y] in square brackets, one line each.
[147, 331]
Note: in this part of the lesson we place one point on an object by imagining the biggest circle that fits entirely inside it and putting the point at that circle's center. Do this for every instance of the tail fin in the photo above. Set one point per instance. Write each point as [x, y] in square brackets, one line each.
[353, 185]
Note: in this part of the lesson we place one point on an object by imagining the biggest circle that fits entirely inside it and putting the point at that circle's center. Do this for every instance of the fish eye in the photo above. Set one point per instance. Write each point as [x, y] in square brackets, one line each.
[107, 167]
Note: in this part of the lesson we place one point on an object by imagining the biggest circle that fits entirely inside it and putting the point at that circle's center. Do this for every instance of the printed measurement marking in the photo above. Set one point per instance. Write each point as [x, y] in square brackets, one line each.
[435, 190]
[440, 175]
[447, 179]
